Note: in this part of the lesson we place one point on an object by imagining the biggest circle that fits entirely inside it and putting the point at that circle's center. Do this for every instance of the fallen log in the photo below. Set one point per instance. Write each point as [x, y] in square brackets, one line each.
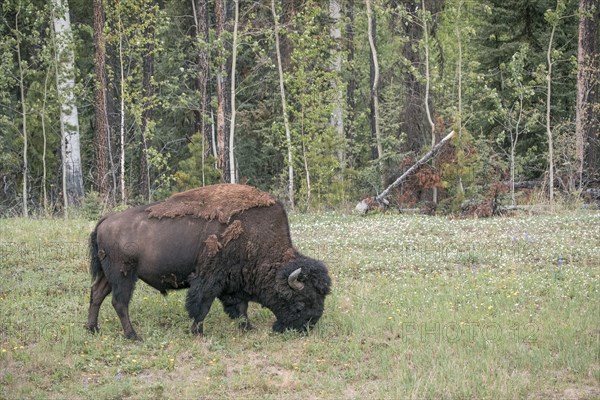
[364, 206]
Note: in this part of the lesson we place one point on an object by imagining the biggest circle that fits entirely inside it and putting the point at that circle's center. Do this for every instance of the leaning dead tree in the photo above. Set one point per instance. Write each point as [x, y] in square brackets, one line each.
[365, 205]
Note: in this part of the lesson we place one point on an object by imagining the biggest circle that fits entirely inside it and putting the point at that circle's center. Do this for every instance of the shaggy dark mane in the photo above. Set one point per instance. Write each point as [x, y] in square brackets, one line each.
[218, 202]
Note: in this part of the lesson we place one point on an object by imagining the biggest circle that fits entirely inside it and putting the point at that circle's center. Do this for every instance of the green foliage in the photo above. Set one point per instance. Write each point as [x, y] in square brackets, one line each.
[133, 30]
[502, 67]
[311, 90]
[461, 174]
[517, 115]
[25, 32]
[198, 170]
[515, 27]
[92, 206]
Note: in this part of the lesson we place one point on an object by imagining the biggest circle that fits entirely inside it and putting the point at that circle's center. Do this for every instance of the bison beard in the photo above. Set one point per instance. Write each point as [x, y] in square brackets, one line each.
[246, 256]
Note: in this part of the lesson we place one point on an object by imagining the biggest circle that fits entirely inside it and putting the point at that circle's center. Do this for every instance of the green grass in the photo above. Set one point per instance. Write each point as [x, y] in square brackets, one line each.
[422, 307]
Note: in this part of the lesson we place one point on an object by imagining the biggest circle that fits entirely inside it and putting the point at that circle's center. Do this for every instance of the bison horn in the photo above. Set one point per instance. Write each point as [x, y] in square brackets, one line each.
[293, 280]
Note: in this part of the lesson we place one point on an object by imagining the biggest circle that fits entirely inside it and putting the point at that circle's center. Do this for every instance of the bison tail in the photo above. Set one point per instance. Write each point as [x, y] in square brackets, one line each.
[95, 265]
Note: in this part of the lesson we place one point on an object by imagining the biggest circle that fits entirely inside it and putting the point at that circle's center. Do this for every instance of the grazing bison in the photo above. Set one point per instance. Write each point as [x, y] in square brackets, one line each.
[230, 242]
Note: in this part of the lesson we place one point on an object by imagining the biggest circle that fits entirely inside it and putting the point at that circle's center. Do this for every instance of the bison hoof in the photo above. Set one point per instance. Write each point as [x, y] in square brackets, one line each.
[133, 336]
[278, 327]
[245, 325]
[197, 329]
[92, 329]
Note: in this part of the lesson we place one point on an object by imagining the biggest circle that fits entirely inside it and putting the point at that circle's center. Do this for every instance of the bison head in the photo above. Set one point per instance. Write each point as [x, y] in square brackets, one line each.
[302, 285]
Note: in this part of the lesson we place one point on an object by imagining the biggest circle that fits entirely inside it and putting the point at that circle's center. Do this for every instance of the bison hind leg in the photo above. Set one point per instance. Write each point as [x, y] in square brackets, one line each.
[237, 309]
[100, 289]
[121, 296]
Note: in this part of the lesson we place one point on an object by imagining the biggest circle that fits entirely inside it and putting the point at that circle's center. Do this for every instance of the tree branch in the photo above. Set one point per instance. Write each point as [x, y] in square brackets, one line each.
[363, 206]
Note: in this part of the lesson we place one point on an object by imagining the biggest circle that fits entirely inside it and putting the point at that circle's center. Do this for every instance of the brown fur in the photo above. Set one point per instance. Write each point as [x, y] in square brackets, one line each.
[219, 202]
[212, 245]
[251, 250]
[289, 255]
[233, 231]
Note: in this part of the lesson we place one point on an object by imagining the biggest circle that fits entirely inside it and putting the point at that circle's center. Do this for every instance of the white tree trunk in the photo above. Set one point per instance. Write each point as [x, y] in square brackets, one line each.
[45, 140]
[337, 120]
[459, 68]
[288, 134]
[232, 166]
[548, 127]
[213, 136]
[428, 85]
[122, 112]
[25, 192]
[514, 139]
[375, 87]
[69, 118]
[459, 78]
[307, 173]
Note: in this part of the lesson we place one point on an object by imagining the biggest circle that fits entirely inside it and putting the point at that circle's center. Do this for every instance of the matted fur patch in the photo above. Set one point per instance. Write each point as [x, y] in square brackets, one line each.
[233, 231]
[212, 245]
[219, 202]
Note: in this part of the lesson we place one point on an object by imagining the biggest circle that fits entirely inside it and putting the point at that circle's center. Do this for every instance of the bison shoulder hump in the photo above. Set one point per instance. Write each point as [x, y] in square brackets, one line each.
[219, 202]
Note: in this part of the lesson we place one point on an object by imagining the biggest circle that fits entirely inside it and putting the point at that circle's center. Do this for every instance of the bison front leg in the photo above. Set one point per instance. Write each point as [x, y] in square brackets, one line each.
[237, 309]
[198, 305]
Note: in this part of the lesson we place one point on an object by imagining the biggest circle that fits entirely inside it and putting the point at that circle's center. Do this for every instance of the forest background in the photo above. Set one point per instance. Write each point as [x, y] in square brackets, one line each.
[112, 102]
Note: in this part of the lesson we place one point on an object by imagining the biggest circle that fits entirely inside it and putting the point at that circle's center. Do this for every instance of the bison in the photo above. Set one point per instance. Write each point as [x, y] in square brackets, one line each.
[228, 241]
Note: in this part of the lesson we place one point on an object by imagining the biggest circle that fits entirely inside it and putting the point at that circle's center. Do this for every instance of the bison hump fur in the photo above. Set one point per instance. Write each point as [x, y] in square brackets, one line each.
[219, 202]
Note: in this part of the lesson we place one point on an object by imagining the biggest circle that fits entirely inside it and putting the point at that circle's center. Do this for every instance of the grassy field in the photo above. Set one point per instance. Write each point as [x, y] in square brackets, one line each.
[422, 307]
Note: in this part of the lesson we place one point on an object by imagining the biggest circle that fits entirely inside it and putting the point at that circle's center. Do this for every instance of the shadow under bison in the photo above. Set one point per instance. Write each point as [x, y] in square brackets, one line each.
[230, 242]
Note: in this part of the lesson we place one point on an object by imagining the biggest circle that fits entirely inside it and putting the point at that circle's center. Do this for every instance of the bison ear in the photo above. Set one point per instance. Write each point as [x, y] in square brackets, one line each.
[293, 280]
